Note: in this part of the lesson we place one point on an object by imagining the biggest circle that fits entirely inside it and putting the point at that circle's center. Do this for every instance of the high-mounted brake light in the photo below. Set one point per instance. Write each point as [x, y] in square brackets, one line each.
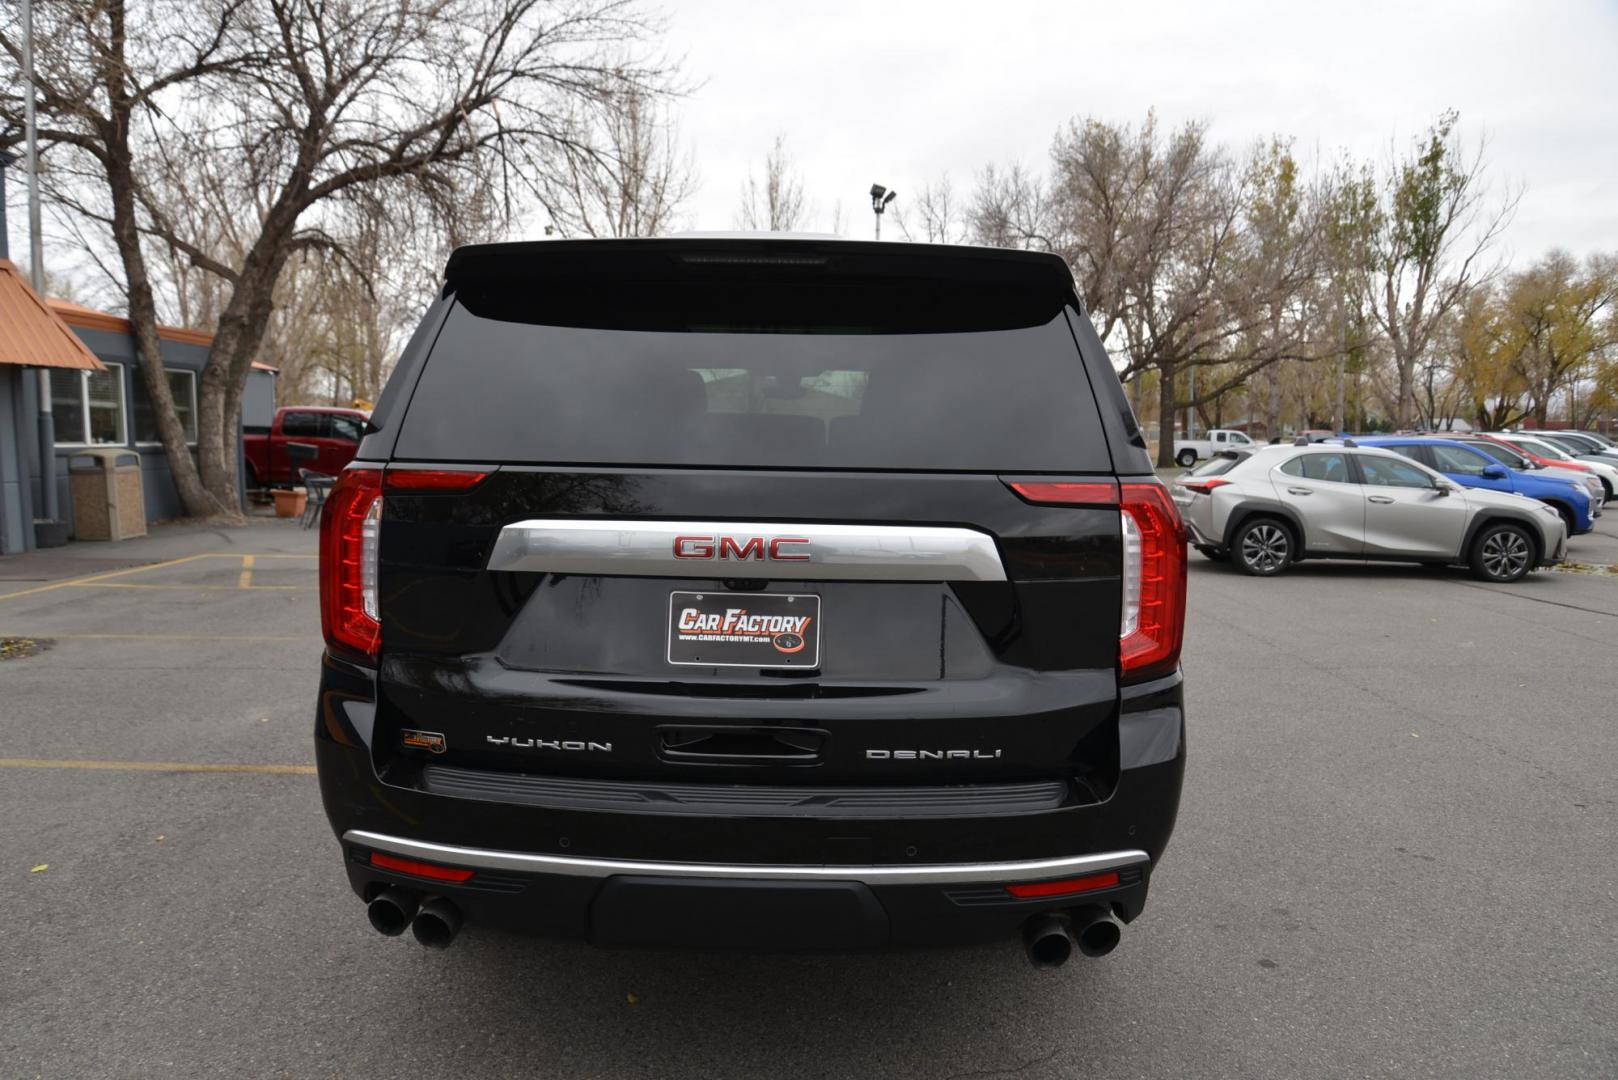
[384, 861]
[350, 536]
[431, 480]
[1067, 493]
[1204, 487]
[1065, 887]
[1153, 622]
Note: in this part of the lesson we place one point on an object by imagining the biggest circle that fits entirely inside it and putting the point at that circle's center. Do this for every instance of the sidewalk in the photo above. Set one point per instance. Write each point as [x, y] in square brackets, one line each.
[161, 544]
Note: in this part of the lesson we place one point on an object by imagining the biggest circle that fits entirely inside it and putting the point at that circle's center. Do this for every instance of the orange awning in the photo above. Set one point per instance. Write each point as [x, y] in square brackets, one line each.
[31, 334]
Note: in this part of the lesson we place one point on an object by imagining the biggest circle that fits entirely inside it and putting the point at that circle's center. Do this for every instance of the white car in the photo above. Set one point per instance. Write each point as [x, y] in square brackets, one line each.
[1187, 452]
[1543, 449]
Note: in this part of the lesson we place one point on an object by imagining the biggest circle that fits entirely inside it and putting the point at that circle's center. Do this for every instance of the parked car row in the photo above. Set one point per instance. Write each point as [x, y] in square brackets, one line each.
[1267, 508]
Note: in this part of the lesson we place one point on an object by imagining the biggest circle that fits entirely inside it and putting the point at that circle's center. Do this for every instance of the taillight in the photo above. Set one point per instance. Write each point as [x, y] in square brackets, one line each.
[1203, 487]
[350, 533]
[1067, 493]
[431, 480]
[1153, 622]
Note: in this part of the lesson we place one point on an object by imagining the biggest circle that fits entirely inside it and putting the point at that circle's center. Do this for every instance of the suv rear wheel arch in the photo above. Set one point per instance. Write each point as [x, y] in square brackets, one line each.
[1243, 514]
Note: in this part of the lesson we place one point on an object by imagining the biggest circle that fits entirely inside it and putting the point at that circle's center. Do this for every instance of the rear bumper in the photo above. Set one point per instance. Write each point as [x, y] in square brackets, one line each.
[624, 903]
[748, 878]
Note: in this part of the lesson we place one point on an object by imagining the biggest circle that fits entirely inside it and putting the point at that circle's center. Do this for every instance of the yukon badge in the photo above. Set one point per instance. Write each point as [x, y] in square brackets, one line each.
[574, 745]
[932, 755]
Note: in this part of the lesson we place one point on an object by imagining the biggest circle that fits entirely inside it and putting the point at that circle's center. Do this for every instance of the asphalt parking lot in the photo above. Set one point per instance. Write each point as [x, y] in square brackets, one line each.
[1395, 857]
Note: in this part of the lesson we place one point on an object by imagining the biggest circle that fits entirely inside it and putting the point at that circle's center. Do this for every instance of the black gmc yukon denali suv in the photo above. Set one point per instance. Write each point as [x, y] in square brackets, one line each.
[753, 592]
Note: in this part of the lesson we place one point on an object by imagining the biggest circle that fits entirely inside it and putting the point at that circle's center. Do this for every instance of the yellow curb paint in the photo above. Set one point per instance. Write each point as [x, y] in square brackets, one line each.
[153, 766]
[246, 580]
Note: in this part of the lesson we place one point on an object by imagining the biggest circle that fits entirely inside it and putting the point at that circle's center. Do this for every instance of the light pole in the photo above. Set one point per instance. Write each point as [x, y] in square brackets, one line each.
[880, 198]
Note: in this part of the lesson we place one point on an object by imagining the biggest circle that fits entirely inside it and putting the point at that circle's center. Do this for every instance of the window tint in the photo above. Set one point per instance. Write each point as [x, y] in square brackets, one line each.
[1453, 459]
[1238, 439]
[1332, 467]
[67, 404]
[301, 425]
[1390, 472]
[1218, 465]
[785, 381]
[1544, 450]
[1503, 454]
[183, 388]
[346, 428]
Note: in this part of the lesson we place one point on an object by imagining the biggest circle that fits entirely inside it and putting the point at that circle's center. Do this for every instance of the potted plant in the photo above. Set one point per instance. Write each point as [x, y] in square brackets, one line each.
[289, 502]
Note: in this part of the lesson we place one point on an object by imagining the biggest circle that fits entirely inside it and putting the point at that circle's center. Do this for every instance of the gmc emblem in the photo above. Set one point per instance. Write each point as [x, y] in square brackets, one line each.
[761, 548]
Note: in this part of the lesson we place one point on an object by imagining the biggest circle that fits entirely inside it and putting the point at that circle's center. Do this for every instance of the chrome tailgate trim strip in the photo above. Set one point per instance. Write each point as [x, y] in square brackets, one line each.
[757, 550]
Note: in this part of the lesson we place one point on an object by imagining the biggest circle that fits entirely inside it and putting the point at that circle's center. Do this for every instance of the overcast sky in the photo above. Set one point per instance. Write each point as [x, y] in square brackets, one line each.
[900, 92]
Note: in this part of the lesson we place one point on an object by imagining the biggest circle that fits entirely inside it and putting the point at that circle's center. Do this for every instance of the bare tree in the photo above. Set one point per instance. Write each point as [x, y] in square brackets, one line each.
[777, 204]
[624, 173]
[1430, 227]
[297, 106]
[937, 215]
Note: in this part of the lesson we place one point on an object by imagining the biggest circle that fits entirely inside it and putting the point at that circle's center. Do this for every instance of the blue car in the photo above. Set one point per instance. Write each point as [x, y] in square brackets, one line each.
[1471, 467]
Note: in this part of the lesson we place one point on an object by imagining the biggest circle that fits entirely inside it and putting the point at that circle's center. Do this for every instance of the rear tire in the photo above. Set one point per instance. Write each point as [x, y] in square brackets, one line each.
[1263, 547]
[1502, 553]
[1186, 458]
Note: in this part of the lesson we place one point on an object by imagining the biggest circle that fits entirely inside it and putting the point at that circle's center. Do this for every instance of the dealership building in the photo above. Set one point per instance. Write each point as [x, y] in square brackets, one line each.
[76, 366]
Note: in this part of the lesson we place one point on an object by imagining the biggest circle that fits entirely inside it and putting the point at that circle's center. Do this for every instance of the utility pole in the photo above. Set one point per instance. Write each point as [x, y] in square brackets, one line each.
[880, 198]
[36, 267]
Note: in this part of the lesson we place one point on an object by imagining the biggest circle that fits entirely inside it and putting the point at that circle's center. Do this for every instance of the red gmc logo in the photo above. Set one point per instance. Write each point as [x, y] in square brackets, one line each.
[773, 548]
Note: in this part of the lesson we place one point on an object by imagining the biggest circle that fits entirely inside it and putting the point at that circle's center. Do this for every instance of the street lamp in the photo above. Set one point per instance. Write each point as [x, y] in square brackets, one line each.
[880, 198]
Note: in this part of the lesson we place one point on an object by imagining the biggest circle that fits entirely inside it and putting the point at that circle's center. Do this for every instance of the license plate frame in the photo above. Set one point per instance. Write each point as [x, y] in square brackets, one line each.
[741, 642]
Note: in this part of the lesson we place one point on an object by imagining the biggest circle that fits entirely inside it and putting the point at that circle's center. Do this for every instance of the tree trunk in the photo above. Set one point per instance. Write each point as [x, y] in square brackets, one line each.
[1165, 414]
[1407, 391]
[119, 164]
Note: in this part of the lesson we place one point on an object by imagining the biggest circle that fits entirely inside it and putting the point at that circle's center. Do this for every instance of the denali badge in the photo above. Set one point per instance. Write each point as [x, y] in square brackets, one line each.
[774, 548]
[932, 755]
[549, 744]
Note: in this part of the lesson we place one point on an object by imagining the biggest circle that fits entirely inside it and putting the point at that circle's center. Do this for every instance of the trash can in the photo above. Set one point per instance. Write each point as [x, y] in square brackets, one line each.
[108, 500]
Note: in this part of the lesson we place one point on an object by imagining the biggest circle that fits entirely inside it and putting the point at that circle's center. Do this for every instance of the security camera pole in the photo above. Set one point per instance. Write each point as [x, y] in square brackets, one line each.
[880, 198]
[36, 269]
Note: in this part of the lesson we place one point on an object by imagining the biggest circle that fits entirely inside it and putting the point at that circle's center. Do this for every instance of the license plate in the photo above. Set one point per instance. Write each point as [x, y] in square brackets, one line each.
[727, 629]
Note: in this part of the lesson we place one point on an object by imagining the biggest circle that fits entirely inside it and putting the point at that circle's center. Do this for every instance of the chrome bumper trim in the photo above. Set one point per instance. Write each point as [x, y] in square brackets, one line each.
[920, 874]
[707, 549]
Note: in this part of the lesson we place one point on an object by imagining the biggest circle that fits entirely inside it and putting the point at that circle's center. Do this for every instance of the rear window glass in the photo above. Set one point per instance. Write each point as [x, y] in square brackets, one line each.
[822, 380]
[1332, 467]
[1217, 465]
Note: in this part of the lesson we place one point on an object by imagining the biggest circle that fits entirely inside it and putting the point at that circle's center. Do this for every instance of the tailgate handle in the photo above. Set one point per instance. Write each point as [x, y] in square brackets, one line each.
[732, 744]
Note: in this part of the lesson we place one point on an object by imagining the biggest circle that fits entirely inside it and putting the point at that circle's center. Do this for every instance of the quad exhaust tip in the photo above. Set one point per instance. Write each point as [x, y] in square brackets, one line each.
[391, 910]
[1051, 938]
[437, 923]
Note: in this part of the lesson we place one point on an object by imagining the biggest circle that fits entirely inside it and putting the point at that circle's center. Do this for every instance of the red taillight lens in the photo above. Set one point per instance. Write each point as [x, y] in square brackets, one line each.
[430, 480]
[1204, 487]
[350, 531]
[1153, 623]
[1066, 493]
[1065, 887]
[419, 869]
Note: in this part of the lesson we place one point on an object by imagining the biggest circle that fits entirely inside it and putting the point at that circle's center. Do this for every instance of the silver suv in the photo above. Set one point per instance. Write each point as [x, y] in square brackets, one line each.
[1267, 509]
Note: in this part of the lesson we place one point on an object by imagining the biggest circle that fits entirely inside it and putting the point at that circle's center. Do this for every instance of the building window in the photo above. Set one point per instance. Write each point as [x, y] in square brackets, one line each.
[183, 388]
[88, 406]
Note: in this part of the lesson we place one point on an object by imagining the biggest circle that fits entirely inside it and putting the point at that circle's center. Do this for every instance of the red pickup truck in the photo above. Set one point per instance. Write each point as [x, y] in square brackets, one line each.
[314, 437]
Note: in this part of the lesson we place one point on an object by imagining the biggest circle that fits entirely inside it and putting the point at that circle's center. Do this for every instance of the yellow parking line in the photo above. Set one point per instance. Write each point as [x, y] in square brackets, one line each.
[246, 580]
[100, 577]
[153, 766]
[216, 588]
